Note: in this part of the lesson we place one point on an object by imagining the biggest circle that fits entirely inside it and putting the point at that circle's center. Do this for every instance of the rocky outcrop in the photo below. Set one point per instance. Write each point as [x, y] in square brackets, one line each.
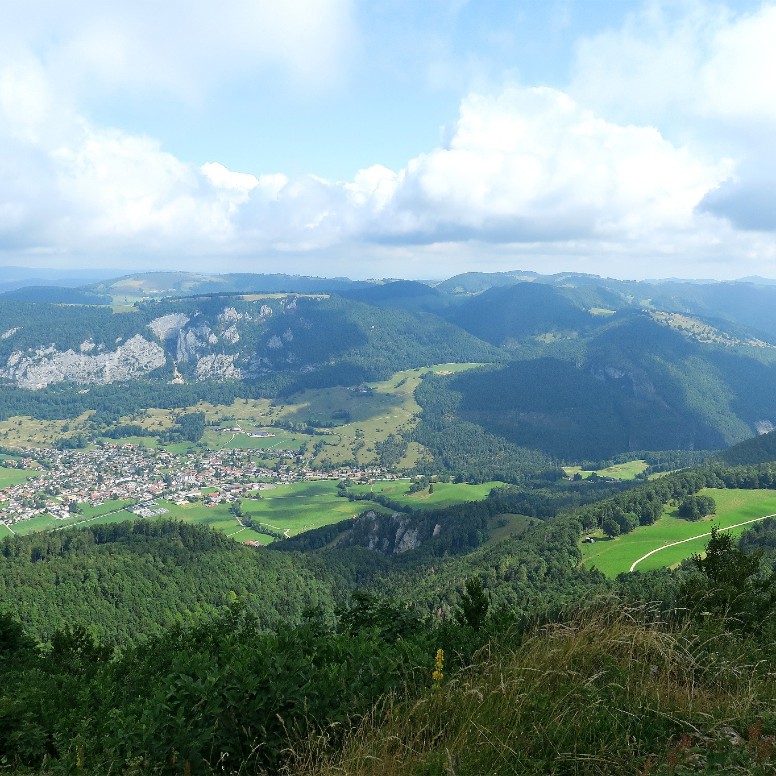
[231, 335]
[187, 347]
[45, 366]
[217, 367]
[230, 315]
[168, 326]
[389, 534]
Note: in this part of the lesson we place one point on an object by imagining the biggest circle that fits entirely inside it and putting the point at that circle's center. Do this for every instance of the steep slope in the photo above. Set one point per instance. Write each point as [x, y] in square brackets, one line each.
[632, 383]
[135, 579]
[321, 340]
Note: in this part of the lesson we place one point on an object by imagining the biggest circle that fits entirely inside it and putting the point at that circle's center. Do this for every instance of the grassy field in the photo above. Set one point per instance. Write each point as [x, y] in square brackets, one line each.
[217, 517]
[288, 508]
[303, 506]
[620, 471]
[23, 431]
[14, 476]
[504, 526]
[612, 556]
[353, 421]
[444, 494]
[109, 512]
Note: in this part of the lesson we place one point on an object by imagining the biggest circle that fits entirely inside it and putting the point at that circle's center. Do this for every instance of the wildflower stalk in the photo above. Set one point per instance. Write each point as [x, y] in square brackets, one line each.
[439, 664]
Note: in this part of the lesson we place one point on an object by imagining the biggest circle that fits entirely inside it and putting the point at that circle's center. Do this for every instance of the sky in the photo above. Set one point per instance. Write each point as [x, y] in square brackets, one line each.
[390, 138]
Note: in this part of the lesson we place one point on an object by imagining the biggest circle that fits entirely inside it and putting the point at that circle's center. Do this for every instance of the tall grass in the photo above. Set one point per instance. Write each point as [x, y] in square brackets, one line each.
[612, 691]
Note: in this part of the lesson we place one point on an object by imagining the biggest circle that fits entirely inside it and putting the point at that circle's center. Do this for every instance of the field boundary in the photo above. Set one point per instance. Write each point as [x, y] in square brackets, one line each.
[693, 538]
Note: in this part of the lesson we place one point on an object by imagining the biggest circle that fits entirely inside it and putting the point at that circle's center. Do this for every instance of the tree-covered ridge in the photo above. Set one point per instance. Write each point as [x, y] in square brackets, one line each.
[628, 384]
[130, 580]
[638, 687]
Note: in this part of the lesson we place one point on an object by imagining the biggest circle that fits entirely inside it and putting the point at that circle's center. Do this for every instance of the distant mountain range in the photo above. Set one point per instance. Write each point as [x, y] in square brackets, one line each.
[579, 366]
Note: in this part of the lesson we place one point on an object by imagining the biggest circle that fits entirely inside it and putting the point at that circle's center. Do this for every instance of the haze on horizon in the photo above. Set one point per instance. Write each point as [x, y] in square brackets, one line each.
[628, 139]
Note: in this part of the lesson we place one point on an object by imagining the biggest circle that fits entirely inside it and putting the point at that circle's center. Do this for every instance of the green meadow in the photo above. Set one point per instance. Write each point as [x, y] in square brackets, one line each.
[443, 494]
[612, 556]
[109, 512]
[290, 508]
[302, 506]
[620, 471]
[15, 476]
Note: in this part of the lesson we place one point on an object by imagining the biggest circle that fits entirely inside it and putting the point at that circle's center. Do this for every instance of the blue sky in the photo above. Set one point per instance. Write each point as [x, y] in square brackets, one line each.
[390, 138]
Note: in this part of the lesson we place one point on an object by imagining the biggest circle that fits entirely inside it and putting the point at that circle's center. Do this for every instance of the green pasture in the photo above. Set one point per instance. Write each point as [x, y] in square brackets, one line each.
[294, 508]
[282, 440]
[353, 419]
[10, 477]
[24, 431]
[620, 471]
[302, 506]
[217, 517]
[507, 525]
[612, 556]
[109, 512]
[444, 494]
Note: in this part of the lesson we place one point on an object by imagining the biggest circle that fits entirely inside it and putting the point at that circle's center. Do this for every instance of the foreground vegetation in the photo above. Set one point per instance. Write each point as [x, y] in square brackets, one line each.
[608, 691]
[604, 688]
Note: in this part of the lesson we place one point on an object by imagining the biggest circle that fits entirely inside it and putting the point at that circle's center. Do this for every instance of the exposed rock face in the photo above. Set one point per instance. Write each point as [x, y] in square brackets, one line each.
[230, 315]
[187, 346]
[217, 367]
[406, 539]
[231, 335]
[6, 334]
[763, 426]
[389, 534]
[168, 326]
[45, 366]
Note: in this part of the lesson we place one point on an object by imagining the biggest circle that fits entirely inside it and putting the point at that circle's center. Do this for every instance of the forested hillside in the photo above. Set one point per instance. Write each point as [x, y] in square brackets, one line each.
[582, 367]
[237, 660]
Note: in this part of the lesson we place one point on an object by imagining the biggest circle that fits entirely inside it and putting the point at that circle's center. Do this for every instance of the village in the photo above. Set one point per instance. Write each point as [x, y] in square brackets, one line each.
[61, 482]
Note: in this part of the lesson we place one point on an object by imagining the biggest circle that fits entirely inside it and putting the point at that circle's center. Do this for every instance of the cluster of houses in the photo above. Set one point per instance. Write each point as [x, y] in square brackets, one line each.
[61, 479]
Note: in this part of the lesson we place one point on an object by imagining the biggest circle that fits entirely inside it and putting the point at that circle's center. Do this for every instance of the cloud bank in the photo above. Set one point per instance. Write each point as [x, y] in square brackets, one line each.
[656, 155]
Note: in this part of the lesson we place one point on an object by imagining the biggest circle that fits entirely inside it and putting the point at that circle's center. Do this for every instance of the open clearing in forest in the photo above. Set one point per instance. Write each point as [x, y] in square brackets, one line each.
[613, 556]
[620, 471]
[348, 422]
[444, 494]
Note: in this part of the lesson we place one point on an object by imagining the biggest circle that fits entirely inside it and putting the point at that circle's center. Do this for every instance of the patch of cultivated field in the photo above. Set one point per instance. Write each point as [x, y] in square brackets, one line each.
[620, 471]
[303, 506]
[109, 512]
[293, 508]
[612, 556]
[351, 420]
[14, 476]
[443, 494]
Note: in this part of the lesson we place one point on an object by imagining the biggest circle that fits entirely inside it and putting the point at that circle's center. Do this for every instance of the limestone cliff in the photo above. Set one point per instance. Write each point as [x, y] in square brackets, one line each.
[45, 366]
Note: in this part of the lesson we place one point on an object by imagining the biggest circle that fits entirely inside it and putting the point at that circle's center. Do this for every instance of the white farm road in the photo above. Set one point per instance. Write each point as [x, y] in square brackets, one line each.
[692, 538]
